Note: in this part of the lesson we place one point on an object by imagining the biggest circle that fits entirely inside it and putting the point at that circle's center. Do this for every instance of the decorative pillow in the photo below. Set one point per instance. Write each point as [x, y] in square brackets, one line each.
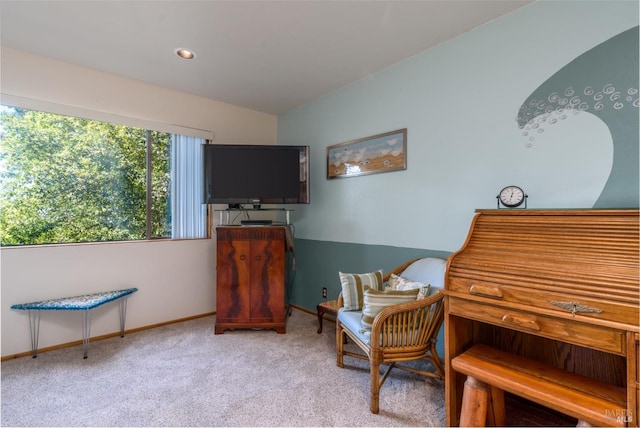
[353, 287]
[376, 300]
[399, 283]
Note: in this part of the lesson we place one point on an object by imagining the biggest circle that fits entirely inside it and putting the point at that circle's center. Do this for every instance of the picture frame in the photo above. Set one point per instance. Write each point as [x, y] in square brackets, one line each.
[379, 153]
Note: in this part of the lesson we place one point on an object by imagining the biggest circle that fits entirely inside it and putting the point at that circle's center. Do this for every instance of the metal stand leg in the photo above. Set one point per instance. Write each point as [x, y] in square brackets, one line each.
[123, 315]
[86, 331]
[34, 330]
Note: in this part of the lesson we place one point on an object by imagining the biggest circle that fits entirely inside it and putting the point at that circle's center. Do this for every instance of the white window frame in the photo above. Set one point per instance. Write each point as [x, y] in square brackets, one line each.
[191, 232]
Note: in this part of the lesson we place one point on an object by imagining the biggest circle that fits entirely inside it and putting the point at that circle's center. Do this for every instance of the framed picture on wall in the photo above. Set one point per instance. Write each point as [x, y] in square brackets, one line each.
[371, 155]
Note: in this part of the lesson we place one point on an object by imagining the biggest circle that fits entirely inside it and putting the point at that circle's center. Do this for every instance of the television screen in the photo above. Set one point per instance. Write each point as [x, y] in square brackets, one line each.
[238, 174]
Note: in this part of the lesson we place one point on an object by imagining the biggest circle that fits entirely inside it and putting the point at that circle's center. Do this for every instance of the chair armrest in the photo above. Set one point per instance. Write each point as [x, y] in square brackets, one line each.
[409, 324]
[340, 301]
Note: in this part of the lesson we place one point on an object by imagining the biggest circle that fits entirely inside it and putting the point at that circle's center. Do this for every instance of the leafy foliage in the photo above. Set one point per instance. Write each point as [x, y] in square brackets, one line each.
[68, 179]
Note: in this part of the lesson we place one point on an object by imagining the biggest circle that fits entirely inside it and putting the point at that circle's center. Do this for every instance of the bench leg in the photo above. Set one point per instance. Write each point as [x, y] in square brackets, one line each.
[34, 330]
[86, 332]
[475, 398]
[123, 315]
[496, 414]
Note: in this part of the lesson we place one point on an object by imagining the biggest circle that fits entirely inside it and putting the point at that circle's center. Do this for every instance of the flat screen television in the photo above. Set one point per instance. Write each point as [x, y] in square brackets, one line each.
[255, 174]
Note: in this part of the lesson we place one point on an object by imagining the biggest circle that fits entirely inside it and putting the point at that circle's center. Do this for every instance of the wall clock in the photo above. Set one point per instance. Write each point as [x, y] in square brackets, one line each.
[512, 197]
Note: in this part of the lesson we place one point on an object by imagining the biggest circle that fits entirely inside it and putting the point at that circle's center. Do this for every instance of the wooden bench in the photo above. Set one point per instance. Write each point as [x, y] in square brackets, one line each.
[490, 372]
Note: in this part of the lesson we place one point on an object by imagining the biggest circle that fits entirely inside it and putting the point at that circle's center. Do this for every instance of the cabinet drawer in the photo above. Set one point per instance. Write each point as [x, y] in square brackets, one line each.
[235, 233]
[547, 299]
[592, 336]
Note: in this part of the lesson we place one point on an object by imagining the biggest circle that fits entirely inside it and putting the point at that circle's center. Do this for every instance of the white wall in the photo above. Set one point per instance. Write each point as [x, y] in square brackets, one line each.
[459, 102]
[176, 279]
[40, 78]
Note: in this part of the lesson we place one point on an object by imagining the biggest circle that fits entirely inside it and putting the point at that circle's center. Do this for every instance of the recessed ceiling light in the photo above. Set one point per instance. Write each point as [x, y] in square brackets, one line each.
[185, 53]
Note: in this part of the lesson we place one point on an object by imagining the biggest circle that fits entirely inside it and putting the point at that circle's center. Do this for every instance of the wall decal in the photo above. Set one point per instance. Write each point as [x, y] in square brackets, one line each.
[559, 106]
[604, 82]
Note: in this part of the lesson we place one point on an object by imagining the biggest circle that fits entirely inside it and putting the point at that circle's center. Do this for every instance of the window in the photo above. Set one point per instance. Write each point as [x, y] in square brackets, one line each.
[67, 179]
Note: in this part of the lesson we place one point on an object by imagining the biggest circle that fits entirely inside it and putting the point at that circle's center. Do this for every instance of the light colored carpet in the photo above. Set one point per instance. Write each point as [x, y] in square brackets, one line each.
[184, 375]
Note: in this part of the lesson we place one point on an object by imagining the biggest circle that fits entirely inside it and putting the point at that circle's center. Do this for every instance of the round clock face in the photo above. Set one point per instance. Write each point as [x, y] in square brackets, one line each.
[511, 196]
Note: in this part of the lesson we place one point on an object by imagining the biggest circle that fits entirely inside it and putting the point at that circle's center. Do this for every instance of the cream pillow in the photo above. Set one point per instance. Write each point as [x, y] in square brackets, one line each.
[399, 283]
[376, 300]
[353, 285]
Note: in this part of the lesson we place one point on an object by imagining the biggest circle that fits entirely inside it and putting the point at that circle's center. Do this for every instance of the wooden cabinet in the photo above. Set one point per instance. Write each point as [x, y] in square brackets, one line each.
[250, 277]
[559, 287]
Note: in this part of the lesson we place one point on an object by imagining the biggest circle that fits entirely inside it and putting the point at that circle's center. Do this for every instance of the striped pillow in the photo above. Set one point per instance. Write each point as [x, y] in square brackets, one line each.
[376, 300]
[353, 287]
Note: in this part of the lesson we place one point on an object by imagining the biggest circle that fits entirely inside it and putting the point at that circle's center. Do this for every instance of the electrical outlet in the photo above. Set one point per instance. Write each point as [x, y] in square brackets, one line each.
[324, 292]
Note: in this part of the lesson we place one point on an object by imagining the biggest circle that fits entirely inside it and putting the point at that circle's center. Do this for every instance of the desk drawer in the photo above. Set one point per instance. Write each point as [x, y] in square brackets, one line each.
[591, 336]
[549, 299]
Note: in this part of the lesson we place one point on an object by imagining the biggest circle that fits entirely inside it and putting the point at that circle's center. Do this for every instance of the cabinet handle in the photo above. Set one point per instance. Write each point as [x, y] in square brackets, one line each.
[528, 323]
[485, 290]
[243, 257]
[258, 257]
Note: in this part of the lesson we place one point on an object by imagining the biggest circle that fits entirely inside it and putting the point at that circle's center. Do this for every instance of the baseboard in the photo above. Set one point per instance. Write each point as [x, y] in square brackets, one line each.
[301, 309]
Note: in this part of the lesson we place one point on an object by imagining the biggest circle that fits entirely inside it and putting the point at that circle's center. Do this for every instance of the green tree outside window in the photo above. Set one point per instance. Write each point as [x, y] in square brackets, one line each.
[66, 179]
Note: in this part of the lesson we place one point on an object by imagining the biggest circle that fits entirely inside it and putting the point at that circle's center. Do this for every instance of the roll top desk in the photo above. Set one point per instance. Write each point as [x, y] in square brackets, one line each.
[559, 287]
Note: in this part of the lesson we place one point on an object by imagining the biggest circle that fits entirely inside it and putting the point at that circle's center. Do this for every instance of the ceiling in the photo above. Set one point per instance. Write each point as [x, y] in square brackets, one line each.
[269, 56]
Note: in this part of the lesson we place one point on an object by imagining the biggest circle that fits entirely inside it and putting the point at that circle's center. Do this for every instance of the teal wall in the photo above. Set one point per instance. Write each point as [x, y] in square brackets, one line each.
[493, 107]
